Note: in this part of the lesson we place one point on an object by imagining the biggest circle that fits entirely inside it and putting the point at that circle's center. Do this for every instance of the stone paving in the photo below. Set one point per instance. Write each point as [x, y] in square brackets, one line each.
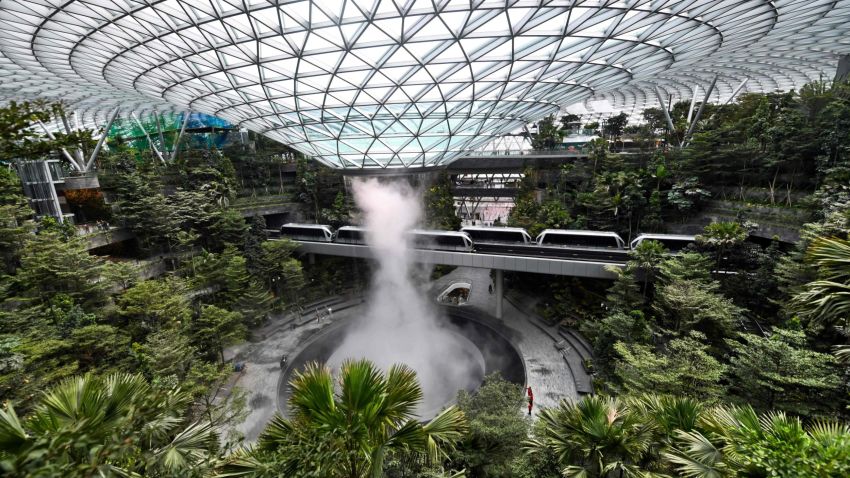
[546, 371]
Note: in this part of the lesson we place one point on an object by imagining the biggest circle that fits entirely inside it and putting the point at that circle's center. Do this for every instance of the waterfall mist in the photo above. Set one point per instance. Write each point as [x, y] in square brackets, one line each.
[401, 324]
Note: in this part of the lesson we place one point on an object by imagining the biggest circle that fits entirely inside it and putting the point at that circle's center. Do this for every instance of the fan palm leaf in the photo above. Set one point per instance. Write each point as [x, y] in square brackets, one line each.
[13, 437]
[832, 257]
[350, 430]
[842, 353]
[695, 456]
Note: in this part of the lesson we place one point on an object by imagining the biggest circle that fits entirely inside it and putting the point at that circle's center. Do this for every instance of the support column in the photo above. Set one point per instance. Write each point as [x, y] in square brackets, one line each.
[500, 292]
[842, 73]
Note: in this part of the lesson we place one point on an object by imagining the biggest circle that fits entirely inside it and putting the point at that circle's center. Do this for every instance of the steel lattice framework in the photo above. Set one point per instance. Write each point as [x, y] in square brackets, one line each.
[403, 83]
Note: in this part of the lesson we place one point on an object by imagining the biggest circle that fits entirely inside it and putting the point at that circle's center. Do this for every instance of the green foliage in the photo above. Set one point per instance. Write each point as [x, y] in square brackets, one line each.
[615, 126]
[112, 426]
[548, 134]
[685, 368]
[214, 328]
[152, 305]
[497, 428]
[653, 435]
[780, 371]
[595, 437]
[18, 136]
[827, 300]
[737, 441]
[165, 353]
[339, 213]
[51, 264]
[15, 223]
[439, 205]
[348, 431]
[683, 304]
[280, 271]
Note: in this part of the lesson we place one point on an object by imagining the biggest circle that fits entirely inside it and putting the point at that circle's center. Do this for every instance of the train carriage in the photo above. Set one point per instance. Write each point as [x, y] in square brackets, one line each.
[351, 235]
[580, 239]
[673, 242]
[441, 240]
[307, 232]
[498, 235]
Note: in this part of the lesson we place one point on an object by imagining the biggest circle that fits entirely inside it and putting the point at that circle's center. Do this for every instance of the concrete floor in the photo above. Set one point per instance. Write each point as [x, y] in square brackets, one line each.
[546, 371]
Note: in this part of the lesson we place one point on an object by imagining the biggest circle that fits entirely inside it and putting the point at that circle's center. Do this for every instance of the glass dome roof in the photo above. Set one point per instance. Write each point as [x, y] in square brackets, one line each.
[386, 84]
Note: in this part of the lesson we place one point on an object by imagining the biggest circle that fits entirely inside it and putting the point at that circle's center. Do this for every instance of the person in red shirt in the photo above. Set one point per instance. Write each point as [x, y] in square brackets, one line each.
[530, 400]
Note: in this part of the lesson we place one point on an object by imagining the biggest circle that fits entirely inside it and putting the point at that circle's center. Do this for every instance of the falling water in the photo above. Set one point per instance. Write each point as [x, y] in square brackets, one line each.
[400, 324]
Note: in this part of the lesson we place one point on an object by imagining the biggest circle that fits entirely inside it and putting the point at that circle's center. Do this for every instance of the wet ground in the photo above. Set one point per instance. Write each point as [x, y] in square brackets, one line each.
[546, 371]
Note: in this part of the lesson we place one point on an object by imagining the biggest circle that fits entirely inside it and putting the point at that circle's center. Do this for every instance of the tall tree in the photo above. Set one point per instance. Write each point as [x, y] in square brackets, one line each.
[685, 368]
[497, 428]
[440, 210]
[50, 264]
[780, 371]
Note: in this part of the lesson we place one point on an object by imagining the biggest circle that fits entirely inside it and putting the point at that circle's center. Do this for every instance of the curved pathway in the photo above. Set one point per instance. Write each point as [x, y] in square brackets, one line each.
[546, 370]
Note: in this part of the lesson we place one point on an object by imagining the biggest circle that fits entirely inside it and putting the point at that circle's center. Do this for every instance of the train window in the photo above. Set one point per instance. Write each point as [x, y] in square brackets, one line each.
[496, 236]
[350, 234]
[675, 244]
[578, 240]
[449, 241]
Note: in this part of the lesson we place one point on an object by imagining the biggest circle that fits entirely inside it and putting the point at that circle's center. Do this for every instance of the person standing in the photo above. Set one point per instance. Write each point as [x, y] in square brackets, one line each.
[530, 400]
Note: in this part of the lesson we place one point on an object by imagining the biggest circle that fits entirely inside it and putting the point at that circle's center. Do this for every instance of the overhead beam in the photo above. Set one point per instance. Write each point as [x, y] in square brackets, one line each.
[101, 140]
[699, 112]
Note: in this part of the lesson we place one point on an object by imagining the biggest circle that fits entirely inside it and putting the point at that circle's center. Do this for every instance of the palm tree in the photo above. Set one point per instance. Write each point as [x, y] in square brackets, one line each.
[106, 426]
[594, 438]
[827, 300]
[737, 441]
[667, 415]
[722, 236]
[347, 432]
[646, 257]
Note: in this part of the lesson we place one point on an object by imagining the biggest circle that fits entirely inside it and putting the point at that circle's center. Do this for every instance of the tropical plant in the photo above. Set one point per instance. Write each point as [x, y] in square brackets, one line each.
[736, 441]
[646, 257]
[827, 300]
[117, 425]
[348, 431]
[594, 438]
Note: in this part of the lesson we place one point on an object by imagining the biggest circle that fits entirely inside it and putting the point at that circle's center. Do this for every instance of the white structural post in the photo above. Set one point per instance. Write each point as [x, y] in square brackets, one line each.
[150, 141]
[101, 140]
[699, 112]
[737, 90]
[693, 103]
[499, 289]
[64, 151]
[666, 113]
[180, 135]
[78, 153]
[161, 137]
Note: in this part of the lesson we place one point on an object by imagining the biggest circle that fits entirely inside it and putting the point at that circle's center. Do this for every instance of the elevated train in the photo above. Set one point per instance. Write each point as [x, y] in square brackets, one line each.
[590, 245]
